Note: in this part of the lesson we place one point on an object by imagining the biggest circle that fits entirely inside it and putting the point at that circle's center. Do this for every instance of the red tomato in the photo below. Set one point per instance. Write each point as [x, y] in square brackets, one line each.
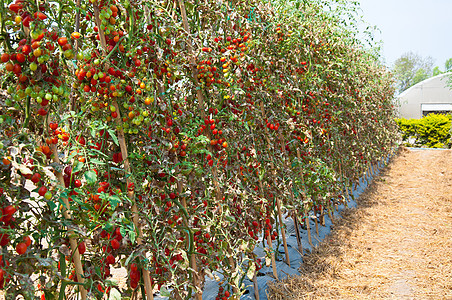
[62, 41]
[21, 248]
[27, 240]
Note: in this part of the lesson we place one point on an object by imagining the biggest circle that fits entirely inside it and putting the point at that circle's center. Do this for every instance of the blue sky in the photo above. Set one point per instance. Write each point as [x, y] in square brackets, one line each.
[421, 26]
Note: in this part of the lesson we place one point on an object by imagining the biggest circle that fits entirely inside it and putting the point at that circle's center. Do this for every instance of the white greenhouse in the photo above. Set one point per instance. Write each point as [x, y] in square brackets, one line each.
[432, 95]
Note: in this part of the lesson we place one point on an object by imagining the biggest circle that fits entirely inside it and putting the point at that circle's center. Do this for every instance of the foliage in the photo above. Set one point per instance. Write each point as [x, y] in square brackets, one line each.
[431, 131]
[160, 135]
[410, 68]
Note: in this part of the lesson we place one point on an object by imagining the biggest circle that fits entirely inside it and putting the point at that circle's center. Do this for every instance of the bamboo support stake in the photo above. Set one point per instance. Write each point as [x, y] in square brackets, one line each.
[308, 227]
[297, 232]
[200, 98]
[316, 224]
[278, 205]
[322, 216]
[256, 287]
[127, 169]
[286, 250]
[269, 242]
[270, 247]
[72, 241]
[331, 215]
[283, 232]
[130, 193]
[193, 265]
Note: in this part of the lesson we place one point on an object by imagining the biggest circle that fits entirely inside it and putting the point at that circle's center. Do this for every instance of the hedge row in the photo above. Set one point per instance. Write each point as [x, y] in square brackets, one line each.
[431, 131]
[169, 137]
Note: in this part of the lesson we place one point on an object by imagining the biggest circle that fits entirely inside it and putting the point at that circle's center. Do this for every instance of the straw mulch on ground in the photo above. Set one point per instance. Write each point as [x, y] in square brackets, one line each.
[396, 245]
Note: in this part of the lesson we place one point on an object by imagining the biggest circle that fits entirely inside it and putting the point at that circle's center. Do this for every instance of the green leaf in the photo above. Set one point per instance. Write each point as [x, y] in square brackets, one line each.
[164, 292]
[132, 236]
[96, 161]
[63, 265]
[108, 227]
[113, 136]
[51, 205]
[114, 201]
[78, 166]
[91, 177]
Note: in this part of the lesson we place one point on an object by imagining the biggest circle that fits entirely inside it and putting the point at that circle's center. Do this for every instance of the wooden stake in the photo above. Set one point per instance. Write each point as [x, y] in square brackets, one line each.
[316, 224]
[270, 247]
[277, 200]
[130, 193]
[283, 231]
[297, 233]
[127, 169]
[331, 215]
[256, 287]
[72, 241]
[322, 216]
[308, 227]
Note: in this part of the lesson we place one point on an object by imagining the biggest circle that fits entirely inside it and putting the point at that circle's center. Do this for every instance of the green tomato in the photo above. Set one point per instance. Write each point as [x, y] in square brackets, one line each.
[48, 195]
[34, 34]
[39, 100]
[48, 96]
[33, 66]
[69, 54]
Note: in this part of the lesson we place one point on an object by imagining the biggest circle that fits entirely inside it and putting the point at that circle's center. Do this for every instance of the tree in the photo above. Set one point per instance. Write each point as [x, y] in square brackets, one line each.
[448, 65]
[411, 68]
[437, 71]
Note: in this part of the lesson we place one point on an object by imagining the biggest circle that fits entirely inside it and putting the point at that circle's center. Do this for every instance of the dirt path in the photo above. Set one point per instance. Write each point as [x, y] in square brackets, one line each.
[396, 245]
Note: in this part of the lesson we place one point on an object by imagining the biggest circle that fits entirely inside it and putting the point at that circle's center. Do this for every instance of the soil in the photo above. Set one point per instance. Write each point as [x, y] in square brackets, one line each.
[397, 244]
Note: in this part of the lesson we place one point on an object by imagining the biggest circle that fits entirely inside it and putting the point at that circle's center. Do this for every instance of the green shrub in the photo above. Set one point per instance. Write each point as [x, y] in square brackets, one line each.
[432, 131]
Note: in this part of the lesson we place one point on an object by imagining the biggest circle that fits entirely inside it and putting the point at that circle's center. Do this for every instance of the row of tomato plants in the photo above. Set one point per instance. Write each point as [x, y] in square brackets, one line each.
[162, 136]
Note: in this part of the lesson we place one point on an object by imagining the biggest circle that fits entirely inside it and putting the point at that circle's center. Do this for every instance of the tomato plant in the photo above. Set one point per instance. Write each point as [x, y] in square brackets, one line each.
[169, 137]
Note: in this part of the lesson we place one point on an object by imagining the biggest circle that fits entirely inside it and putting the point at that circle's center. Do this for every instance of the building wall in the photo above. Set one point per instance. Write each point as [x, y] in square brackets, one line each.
[434, 90]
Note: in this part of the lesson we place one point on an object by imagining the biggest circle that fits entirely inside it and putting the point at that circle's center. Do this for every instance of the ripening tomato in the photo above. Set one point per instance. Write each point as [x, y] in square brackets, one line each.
[82, 247]
[115, 244]
[27, 240]
[8, 212]
[110, 259]
[42, 191]
[5, 57]
[21, 248]
[62, 41]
